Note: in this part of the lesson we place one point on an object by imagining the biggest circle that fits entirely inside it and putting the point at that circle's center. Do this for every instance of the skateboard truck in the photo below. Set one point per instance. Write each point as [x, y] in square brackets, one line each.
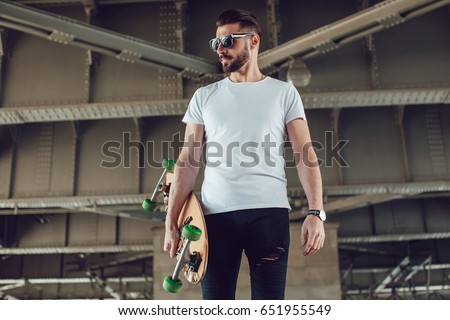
[173, 283]
[194, 261]
[149, 204]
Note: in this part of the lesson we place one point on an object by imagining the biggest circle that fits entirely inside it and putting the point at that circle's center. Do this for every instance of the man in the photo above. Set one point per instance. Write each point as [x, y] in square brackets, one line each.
[244, 119]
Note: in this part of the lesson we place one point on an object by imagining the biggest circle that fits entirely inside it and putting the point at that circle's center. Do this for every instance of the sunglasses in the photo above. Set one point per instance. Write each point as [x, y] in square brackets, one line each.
[226, 40]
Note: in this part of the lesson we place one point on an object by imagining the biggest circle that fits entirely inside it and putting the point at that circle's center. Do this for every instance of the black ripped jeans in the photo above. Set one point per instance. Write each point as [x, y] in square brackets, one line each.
[263, 234]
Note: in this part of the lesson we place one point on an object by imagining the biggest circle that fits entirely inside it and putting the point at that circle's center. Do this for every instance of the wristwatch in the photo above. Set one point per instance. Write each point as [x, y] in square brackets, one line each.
[318, 213]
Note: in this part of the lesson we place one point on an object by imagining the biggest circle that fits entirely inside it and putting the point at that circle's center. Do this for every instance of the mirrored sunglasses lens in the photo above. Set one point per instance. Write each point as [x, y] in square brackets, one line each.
[214, 44]
[227, 41]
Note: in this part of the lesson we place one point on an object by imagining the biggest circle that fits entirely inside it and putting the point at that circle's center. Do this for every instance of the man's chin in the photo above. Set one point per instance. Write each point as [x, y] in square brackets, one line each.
[230, 67]
[225, 65]
[226, 68]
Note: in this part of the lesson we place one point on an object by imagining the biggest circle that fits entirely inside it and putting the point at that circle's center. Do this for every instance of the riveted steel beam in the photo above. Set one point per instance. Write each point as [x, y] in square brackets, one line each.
[136, 109]
[89, 111]
[342, 99]
[381, 16]
[358, 201]
[408, 290]
[80, 280]
[396, 237]
[77, 249]
[411, 188]
[118, 259]
[376, 249]
[92, 203]
[109, 285]
[75, 2]
[394, 275]
[71, 32]
[102, 284]
[437, 266]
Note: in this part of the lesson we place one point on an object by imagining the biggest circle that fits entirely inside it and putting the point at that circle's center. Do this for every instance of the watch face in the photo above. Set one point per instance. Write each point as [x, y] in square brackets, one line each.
[322, 215]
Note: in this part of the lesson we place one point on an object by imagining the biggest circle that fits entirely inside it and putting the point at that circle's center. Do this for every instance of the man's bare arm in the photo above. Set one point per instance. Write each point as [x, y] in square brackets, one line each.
[185, 175]
[313, 233]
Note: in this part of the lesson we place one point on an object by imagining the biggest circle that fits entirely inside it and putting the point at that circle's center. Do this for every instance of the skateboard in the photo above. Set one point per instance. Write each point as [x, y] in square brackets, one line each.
[192, 252]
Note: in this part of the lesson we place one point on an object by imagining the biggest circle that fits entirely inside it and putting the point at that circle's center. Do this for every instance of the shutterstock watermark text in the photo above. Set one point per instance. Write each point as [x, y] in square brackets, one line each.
[246, 154]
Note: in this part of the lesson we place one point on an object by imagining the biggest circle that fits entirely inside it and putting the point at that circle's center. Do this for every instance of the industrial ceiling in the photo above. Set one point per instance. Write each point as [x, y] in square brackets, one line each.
[374, 77]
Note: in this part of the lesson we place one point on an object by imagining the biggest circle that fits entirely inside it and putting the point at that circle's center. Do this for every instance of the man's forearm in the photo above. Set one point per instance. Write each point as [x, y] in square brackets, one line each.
[186, 171]
[182, 184]
[307, 163]
[311, 181]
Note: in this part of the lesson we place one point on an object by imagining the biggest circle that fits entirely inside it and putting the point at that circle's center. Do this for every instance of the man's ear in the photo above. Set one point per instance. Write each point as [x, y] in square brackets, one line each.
[255, 40]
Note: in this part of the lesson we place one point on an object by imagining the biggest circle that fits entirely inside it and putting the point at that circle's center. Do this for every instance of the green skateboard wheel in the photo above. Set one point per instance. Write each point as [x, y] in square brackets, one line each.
[172, 286]
[149, 205]
[191, 232]
[168, 164]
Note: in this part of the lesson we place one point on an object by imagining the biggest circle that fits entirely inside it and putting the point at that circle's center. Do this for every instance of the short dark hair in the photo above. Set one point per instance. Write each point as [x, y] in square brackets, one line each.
[243, 17]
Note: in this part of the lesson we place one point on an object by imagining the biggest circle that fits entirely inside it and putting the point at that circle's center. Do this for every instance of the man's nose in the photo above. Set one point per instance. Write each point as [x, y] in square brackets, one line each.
[221, 49]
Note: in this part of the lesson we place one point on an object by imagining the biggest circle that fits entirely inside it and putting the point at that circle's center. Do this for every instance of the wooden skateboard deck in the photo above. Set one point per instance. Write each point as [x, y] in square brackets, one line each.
[192, 252]
[192, 214]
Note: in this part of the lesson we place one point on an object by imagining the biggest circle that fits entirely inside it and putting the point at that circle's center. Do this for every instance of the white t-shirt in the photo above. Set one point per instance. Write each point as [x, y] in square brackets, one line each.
[245, 130]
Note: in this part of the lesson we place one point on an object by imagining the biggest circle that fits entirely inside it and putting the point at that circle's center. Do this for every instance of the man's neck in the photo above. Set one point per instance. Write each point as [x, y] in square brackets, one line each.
[247, 75]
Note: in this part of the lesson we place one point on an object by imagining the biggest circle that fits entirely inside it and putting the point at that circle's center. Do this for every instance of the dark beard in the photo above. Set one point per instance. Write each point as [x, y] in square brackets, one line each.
[238, 63]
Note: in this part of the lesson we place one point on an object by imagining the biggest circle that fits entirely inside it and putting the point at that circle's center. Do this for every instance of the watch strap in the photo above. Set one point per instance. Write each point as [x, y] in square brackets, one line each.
[318, 213]
[314, 212]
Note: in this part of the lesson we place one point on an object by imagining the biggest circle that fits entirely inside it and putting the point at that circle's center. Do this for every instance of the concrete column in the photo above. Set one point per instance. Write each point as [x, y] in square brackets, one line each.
[312, 277]
[316, 276]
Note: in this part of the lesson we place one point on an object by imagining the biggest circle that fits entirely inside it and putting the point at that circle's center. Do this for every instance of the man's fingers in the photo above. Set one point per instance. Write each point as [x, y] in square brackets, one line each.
[306, 240]
[308, 245]
[166, 246]
[173, 252]
[169, 248]
[318, 243]
[322, 242]
[171, 241]
[314, 243]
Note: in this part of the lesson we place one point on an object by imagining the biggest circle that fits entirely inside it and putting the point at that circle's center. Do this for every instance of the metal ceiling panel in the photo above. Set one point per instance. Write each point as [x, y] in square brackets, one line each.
[416, 53]
[383, 160]
[94, 176]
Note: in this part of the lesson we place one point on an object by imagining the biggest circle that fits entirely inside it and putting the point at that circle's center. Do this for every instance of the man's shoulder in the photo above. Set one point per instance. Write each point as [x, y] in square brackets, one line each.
[209, 88]
[279, 84]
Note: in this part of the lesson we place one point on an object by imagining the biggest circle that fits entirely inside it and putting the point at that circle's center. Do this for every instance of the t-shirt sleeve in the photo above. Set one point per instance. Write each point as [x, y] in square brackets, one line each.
[194, 111]
[294, 106]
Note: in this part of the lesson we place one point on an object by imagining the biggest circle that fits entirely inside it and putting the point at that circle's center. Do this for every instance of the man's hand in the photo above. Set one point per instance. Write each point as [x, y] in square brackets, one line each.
[171, 241]
[313, 235]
